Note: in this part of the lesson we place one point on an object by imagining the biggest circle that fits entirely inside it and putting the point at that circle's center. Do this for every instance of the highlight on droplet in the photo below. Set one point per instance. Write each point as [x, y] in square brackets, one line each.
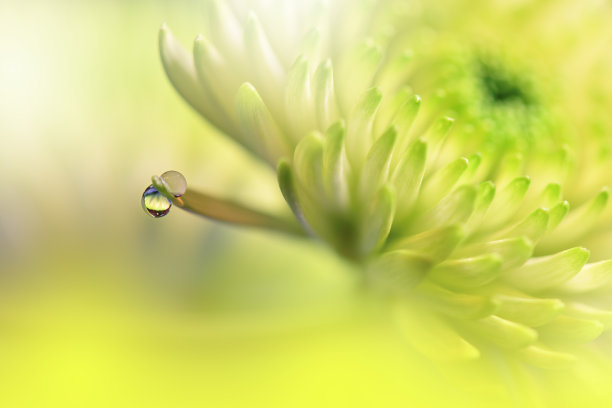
[175, 182]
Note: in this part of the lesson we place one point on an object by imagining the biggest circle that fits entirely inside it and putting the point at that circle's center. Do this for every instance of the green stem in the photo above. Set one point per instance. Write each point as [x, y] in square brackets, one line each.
[228, 211]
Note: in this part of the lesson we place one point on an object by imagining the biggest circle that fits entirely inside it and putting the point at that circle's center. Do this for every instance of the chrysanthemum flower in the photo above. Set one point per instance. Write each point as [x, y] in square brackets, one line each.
[445, 224]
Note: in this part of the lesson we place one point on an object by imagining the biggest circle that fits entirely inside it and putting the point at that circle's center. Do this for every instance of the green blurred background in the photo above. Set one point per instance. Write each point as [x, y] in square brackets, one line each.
[101, 305]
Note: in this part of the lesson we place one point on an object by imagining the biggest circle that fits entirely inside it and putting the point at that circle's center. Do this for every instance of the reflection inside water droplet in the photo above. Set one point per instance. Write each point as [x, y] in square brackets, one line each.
[154, 203]
[176, 183]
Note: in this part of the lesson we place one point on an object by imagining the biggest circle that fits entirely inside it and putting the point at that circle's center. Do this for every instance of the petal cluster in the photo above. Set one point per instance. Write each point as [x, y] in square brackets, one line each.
[472, 252]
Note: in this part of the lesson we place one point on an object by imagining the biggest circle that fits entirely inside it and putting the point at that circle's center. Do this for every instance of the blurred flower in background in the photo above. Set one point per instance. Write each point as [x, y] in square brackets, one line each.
[102, 306]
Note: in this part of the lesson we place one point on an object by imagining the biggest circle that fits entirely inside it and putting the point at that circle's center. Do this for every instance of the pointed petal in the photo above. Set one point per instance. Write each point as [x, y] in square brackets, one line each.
[308, 163]
[179, 67]
[474, 162]
[377, 224]
[548, 271]
[565, 329]
[457, 305]
[545, 358]
[324, 95]
[225, 29]
[503, 333]
[506, 202]
[484, 196]
[359, 128]
[436, 135]
[299, 107]
[533, 227]
[436, 243]
[550, 196]
[376, 168]
[577, 223]
[214, 73]
[261, 133]
[334, 164]
[557, 214]
[404, 119]
[466, 273]
[591, 277]
[408, 175]
[532, 312]
[308, 209]
[268, 73]
[452, 209]
[513, 252]
[582, 311]
[441, 182]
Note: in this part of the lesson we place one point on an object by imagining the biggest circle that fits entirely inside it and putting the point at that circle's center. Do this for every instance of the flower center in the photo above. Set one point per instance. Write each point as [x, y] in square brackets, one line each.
[501, 86]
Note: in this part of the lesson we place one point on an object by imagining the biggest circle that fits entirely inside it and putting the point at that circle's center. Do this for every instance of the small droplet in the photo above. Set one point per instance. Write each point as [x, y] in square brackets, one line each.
[154, 203]
[176, 183]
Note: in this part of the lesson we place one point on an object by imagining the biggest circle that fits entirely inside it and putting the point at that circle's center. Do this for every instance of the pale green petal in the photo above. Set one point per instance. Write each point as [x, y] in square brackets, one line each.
[547, 272]
[566, 329]
[550, 196]
[545, 358]
[484, 196]
[287, 186]
[404, 118]
[225, 29]
[513, 252]
[458, 305]
[577, 223]
[299, 107]
[268, 75]
[533, 227]
[261, 133]
[359, 128]
[215, 74]
[441, 182]
[408, 175]
[435, 243]
[503, 333]
[506, 202]
[436, 136]
[582, 311]
[557, 214]
[375, 171]
[591, 277]
[466, 273]
[377, 224]
[334, 164]
[179, 67]
[324, 95]
[455, 208]
[308, 164]
[529, 311]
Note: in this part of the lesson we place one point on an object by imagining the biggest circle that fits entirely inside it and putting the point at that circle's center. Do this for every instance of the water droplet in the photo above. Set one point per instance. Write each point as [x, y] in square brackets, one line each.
[154, 203]
[176, 183]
